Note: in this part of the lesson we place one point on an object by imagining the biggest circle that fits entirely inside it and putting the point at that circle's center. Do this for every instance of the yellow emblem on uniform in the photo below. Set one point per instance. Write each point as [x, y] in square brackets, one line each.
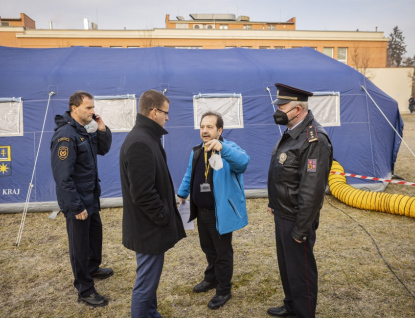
[283, 157]
[63, 153]
[82, 139]
[63, 139]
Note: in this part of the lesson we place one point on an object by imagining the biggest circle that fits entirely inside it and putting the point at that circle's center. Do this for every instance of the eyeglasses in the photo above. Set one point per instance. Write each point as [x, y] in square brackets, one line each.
[167, 113]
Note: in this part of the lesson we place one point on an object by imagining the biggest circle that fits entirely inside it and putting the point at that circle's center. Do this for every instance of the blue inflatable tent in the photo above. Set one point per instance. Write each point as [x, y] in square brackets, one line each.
[358, 116]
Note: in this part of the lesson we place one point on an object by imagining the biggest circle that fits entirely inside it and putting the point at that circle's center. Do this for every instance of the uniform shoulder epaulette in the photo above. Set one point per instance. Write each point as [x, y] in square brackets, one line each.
[312, 133]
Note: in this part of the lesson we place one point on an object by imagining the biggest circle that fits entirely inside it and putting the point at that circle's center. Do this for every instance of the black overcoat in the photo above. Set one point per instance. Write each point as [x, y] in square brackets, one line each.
[151, 222]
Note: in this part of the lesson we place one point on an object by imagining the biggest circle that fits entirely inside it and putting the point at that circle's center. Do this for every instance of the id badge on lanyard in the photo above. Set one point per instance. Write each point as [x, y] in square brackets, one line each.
[205, 187]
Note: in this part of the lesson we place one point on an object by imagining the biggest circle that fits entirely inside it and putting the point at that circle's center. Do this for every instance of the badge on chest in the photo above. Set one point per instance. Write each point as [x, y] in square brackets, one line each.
[205, 187]
[282, 158]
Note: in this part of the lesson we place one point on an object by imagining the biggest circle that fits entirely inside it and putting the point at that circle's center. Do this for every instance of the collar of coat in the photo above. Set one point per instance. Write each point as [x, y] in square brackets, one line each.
[154, 128]
[297, 130]
[66, 119]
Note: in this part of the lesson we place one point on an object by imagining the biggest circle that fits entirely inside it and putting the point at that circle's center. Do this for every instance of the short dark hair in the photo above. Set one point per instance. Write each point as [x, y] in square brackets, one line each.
[77, 98]
[151, 99]
[219, 119]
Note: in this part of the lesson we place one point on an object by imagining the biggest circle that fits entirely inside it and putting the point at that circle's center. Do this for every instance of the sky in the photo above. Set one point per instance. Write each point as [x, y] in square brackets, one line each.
[329, 15]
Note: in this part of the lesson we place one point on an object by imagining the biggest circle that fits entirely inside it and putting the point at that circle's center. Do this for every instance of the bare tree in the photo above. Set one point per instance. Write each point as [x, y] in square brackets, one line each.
[360, 58]
[147, 39]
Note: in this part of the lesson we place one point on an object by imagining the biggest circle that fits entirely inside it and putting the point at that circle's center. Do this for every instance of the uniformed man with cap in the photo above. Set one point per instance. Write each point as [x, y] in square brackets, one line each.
[297, 179]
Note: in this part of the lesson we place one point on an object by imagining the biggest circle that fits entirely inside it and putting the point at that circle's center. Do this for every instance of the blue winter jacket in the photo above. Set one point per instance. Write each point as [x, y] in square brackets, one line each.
[227, 184]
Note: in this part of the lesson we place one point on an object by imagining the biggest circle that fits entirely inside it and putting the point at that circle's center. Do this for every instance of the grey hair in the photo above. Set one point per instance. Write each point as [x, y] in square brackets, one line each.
[303, 105]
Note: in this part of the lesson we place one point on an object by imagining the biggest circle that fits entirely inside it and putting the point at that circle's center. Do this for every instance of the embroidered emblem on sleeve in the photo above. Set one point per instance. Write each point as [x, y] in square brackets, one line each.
[63, 152]
[312, 165]
[63, 139]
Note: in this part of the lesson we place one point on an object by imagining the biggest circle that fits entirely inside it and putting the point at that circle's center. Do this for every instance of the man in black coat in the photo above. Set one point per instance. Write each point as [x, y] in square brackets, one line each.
[151, 221]
[74, 152]
[297, 179]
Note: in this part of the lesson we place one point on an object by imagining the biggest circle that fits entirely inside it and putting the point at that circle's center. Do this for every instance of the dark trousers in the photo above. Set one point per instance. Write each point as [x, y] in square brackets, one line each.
[85, 251]
[298, 269]
[144, 297]
[218, 250]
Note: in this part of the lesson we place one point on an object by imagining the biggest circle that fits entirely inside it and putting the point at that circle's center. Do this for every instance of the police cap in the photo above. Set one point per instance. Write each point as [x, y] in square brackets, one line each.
[286, 94]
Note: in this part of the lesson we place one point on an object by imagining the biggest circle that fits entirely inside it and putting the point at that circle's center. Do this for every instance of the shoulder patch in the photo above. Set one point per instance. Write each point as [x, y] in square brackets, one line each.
[312, 133]
[63, 153]
[63, 139]
[312, 165]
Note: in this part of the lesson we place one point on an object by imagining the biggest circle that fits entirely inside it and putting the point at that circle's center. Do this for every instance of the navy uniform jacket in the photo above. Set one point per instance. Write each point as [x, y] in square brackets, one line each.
[298, 175]
[74, 165]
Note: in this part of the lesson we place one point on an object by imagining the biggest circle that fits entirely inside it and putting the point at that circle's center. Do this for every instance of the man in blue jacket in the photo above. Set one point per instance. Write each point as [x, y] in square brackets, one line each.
[74, 152]
[217, 199]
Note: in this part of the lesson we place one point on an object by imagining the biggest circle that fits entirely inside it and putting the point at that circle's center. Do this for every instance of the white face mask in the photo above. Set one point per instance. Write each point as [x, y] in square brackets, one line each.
[215, 161]
[91, 127]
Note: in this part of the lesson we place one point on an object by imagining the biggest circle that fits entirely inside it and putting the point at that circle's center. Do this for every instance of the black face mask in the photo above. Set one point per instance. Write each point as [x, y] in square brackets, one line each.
[281, 118]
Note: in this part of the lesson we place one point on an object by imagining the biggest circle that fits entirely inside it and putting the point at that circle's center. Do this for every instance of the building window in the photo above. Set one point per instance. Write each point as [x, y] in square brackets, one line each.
[210, 27]
[271, 26]
[5, 24]
[279, 47]
[328, 51]
[196, 26]
[228, 105]
[246, 47]
[342, 54]
[264, 47]
[118, 112]
[132, 47]
[230, 47]
[182, 25]
[247, 26]
[11, 117]
[116, 47]
[223, 27]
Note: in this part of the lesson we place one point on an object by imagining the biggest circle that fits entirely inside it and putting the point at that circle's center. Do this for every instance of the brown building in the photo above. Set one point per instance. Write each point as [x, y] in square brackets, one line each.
[208, 31]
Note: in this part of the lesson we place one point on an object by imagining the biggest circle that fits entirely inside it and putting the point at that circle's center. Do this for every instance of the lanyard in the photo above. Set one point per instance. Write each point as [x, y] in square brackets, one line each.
[207, 166]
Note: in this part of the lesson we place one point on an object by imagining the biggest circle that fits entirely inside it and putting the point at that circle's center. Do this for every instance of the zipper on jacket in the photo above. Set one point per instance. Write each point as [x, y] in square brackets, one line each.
[234, 208]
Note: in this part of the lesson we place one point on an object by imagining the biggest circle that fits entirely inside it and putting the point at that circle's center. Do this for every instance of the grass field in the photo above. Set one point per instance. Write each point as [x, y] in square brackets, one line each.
[354, 280]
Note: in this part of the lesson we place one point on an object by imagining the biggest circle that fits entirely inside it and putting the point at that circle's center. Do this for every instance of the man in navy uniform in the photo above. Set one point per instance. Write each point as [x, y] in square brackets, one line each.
[297, 179]
[74, 152]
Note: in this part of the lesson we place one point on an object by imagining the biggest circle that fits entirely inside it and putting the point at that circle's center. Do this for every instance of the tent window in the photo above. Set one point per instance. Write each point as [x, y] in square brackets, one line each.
[118, 112]
[228, 105]
[326, 108]
[11, 117]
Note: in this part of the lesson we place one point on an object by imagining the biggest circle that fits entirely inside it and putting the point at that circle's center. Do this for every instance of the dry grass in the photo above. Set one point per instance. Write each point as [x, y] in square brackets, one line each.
[354, 281]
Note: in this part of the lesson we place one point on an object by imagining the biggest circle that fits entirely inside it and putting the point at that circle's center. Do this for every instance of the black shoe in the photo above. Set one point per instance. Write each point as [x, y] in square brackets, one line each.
[102, 273]
[280, 312]
[204, 286]
[218, 301]
[94, 300]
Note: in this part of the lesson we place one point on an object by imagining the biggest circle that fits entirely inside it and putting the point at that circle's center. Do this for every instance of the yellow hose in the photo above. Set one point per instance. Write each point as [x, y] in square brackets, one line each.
[368, 200]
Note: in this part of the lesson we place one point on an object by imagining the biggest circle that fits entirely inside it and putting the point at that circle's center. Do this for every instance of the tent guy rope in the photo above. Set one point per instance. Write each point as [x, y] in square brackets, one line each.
[29, 191]
[388, 121]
